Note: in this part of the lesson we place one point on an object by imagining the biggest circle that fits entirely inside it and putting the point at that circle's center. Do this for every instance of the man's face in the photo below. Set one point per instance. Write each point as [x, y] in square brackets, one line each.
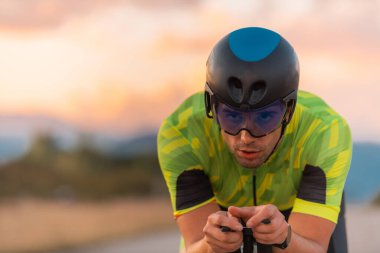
[251, 152]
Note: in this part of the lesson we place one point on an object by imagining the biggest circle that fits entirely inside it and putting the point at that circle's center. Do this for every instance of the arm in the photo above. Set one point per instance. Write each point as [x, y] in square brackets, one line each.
[309, 233]
[200, 229]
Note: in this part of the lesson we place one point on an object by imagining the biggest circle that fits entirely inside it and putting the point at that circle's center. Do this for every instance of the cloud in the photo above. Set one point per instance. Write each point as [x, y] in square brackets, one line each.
[39, 14]
[20, 15]
[122, 66]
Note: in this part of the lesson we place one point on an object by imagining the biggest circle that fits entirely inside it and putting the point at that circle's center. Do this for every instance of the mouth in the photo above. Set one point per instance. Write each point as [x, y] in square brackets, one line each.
[248, 154]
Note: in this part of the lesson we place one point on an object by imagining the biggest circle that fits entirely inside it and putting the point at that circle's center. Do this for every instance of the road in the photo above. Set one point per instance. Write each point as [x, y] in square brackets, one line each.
[363, 232]
[166, 241]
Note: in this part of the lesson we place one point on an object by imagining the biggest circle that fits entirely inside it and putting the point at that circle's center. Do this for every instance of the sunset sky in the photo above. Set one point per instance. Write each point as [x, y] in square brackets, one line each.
[122, 66]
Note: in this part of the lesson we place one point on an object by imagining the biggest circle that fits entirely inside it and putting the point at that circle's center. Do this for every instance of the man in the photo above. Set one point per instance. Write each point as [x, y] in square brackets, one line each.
[252, 151]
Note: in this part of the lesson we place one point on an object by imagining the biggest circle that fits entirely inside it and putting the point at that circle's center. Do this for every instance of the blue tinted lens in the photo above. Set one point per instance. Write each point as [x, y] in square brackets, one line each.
[258, 122]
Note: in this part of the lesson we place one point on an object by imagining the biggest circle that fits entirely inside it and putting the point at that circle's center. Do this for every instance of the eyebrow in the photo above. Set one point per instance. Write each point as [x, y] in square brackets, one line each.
[268, 110]
[226, 109]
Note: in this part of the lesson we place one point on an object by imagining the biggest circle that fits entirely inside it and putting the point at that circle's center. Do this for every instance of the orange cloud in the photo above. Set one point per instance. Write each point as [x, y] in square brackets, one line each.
[122, 66]
[23, 15]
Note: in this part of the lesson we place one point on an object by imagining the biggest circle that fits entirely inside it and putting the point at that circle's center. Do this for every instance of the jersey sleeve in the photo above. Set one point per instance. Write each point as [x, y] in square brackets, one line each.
[183, 171]
[324, 175]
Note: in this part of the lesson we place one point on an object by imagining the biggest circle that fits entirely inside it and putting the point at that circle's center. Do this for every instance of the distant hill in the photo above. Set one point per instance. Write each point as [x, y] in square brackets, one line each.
[25, 125]
[17, 131]
[130, 147]
[12, 147]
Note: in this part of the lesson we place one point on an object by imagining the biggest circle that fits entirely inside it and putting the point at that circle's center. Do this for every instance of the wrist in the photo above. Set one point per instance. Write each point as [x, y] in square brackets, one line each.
[206, 247]
[286, 242]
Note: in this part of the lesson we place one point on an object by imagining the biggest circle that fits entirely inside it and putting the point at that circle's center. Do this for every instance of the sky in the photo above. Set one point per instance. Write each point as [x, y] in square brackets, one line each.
[122, 66]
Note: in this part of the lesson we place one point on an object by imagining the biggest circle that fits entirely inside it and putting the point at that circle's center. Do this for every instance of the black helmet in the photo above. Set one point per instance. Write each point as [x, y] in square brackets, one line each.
[251, 68]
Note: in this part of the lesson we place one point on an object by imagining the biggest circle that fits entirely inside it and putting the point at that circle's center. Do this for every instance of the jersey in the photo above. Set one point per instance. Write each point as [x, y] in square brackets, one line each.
[306, 173]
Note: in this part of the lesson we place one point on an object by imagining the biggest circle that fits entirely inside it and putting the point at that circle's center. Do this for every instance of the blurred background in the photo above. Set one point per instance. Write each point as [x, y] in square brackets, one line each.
[84, 86]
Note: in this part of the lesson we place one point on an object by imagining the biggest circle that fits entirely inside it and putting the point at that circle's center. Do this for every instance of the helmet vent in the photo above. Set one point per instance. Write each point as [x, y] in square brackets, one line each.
[258, 90]
[235, 89]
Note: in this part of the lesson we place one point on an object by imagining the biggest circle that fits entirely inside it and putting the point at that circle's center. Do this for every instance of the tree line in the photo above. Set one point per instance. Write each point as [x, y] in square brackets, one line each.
[83, 172]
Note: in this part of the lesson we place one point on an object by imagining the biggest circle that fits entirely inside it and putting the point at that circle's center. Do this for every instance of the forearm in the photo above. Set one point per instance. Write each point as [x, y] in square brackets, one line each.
[299, 244]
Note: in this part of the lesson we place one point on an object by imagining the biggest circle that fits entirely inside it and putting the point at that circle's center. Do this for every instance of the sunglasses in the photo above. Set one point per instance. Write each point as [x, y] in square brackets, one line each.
[258, 122]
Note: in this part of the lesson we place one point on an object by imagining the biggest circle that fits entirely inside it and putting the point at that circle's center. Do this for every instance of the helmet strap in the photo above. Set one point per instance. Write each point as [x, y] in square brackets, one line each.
[208, 104]
[289, 113]
[283, 126]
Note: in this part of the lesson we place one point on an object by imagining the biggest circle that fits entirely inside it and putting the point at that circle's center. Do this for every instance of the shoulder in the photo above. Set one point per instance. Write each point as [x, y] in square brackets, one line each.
[318, 131]
[192, 107]
[187, 128]
[313, 115]
[314, 106]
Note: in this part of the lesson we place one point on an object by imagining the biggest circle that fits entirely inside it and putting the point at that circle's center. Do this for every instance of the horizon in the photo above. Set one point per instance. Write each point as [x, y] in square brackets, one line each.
[120, 67]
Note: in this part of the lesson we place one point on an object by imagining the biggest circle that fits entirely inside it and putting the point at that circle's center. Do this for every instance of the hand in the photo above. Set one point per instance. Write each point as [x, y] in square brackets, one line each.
[273, 233]
[223, 241]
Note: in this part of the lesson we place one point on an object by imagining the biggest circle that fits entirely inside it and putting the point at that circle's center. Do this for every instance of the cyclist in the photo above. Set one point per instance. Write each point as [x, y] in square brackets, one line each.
[252, 150]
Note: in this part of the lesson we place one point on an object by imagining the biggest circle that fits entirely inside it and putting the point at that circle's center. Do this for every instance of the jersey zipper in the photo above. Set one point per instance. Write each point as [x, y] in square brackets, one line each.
[260, 248]
[254, 190]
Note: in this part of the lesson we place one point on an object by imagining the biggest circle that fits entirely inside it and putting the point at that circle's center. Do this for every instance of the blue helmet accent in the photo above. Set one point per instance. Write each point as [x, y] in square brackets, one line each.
[253, 44]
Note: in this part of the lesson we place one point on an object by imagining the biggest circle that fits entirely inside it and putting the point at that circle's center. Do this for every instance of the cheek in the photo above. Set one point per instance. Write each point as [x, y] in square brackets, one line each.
[229, 140]
[273, 138]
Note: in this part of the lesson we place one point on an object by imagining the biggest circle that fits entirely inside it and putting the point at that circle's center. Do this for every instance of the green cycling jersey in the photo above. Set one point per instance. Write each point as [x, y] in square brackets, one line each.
[306, 173]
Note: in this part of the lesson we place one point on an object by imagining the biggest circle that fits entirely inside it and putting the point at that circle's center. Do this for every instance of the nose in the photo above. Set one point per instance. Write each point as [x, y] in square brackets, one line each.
[246, 137]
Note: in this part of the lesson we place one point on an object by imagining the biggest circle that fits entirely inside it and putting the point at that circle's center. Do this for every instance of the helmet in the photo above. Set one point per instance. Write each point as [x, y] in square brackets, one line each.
[249, 69]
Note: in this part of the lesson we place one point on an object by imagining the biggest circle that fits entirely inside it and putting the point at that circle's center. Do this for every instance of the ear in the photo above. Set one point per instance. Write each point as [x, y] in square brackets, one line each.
[290, 108]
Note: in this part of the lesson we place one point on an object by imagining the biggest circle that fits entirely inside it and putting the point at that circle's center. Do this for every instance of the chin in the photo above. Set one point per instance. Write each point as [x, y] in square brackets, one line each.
[249, 164]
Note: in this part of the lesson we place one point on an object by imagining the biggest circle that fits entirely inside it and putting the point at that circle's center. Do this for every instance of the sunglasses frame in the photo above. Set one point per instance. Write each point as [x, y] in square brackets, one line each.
[212, 100]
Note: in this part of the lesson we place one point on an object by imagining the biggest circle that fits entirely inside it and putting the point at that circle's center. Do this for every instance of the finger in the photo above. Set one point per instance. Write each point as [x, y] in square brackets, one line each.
[274, 225]
[278, 236]
[266, 238]
[219, 219]
[263, 213]
[232, 223]
[242, 212]
[223, 237]
[225, 240]
[234, 218]
[230, 215]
